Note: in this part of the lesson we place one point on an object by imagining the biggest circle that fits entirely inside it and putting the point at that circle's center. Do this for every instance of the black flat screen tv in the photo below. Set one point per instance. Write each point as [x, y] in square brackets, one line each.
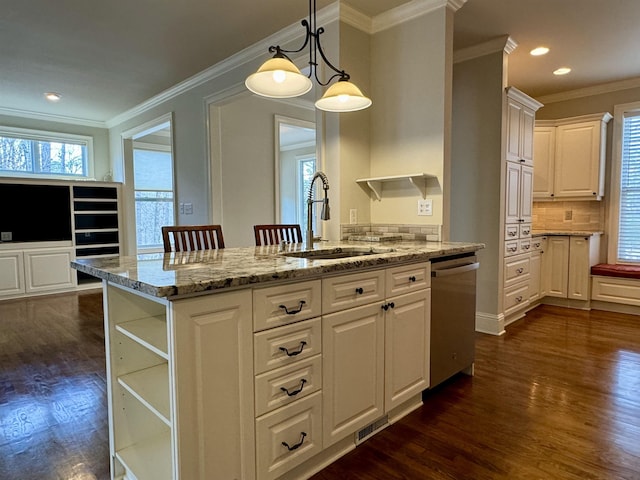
[35, 213]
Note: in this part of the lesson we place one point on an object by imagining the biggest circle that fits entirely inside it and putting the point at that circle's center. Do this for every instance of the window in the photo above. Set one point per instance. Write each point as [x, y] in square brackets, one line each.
[306, 170]
[153, 186]
[629, 219]
[32, 153]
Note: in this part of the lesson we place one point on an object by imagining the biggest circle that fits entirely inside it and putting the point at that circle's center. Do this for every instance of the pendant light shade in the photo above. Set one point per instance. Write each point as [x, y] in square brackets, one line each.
[278, 77]
[343, 96]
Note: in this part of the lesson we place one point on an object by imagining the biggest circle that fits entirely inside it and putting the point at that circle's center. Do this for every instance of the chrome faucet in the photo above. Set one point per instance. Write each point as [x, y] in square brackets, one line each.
[324, 214]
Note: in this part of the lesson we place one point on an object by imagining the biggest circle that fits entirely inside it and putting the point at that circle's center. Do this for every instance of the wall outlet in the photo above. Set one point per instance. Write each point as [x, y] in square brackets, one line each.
[6, 236]
[568, 214]
[425, 207]
[353, 216]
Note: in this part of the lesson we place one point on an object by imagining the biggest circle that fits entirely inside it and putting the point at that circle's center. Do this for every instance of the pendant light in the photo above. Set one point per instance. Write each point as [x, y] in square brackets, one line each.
[278, 77]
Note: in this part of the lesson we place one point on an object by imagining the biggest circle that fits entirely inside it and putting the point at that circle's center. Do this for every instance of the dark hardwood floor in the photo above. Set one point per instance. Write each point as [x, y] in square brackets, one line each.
[557, 397]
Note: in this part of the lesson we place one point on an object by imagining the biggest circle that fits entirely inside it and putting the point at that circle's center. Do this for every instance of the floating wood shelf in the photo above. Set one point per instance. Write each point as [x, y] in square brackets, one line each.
[418, 180]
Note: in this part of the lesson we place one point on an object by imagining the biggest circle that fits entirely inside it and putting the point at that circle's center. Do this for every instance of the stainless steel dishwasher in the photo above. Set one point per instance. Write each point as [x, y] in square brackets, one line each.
[453, 316]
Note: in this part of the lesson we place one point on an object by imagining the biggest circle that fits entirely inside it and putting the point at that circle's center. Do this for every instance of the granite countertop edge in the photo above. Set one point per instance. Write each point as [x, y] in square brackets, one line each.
[551, 233]
[196, 273]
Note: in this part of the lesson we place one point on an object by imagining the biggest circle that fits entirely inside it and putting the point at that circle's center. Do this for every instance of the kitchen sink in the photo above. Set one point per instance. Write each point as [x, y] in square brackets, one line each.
[334, 253]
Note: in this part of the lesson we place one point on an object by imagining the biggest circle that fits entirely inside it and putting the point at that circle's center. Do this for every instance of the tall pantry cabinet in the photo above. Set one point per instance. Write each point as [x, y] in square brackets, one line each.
[518, 202]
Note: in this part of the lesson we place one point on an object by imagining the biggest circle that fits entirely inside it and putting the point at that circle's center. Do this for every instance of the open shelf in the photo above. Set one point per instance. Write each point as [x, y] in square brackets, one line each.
[150, 387]
[149, 459]
[150, 332]
[418, 180]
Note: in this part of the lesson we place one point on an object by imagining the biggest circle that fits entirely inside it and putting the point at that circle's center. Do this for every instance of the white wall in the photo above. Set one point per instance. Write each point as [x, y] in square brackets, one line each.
[243, 132]
[411, 65]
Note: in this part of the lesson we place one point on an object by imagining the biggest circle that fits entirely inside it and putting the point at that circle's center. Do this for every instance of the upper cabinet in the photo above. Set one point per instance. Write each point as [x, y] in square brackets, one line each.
[570, 157]
[520, 125]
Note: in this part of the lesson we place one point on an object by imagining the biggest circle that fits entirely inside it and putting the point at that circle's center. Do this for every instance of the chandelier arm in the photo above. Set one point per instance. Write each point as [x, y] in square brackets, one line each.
[339, 73]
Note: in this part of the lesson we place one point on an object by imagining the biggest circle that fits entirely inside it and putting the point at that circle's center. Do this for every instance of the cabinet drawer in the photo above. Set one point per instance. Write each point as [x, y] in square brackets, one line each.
[511, 248]
[346, 291]
[516, 269]
[288, 436]
[283, 304]
[525, 230]
[516, 297]
[511, 232]
[285, 385]
[286, 345]
[524, 246]
[408, 278]
[536, 243]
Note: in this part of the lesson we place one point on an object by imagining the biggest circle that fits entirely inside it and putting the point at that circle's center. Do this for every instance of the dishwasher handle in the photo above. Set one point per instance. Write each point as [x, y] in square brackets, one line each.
[445, 272]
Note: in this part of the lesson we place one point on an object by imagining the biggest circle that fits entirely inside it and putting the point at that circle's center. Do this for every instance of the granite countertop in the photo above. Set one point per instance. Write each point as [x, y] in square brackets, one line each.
[185, 273]
[540, 233]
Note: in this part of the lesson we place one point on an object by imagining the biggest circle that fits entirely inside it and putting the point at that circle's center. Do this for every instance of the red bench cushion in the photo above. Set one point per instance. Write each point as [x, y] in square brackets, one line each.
[610, 270]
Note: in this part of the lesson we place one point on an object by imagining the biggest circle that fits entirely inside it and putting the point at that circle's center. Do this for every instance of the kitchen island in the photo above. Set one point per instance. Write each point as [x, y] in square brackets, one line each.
[263, 362]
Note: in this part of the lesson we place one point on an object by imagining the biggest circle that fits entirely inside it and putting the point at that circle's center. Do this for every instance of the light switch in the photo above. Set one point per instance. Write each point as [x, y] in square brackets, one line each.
[188, 208]
[353, 216]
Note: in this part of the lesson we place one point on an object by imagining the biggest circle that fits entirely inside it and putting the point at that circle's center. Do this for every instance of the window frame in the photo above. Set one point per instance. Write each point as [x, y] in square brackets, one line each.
[49, 136]
[616, 172]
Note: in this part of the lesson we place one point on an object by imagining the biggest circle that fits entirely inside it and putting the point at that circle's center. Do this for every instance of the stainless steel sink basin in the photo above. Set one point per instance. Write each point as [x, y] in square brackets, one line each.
[335, 253]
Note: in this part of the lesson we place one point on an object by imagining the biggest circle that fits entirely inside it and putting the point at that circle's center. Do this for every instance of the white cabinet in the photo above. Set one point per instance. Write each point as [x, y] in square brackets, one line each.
[519, 193]
[11, 273]
[375, 356]
[49, 269]
[567, 264]
[520, 123]
[33, 270]
[570, 157]
[537, 287]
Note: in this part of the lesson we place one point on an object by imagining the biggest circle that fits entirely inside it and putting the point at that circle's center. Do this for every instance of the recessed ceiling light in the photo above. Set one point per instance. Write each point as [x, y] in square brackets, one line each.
[562, 71]
[536, 52]
[52, 96]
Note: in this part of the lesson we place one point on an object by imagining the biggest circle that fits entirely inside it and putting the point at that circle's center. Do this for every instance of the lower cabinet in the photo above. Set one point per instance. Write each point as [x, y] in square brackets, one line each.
[567, 265]
[254, 383]
[36, 270]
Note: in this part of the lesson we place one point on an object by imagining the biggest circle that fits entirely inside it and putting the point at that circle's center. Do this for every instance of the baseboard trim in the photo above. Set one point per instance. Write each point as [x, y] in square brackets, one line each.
[567, 302]
[489, 323]
[615, 307]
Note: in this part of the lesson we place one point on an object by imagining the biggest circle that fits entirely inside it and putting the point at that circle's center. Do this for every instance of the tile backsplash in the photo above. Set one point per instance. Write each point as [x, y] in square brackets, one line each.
[431, 233]
[575, 216]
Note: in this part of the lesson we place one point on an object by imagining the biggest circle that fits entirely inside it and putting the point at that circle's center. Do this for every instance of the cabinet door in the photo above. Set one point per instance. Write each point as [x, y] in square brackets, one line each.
[535, 266]
[213, 386]
[577, 160]
[544, 144]
[579, 268]
[11, 273]
[527, 123]
[407, 326]
[49, 269]
[512, 192]
[514, 112]
[558, 265]
[526, 194]
[352, 370]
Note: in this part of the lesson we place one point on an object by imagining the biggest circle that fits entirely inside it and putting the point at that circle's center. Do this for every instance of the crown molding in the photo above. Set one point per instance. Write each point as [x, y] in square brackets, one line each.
[256, 51]
[356, 18]
[532, 103]
[409, 11]
[503, 43]
[591, 91]
[604, 117]
[11, 112]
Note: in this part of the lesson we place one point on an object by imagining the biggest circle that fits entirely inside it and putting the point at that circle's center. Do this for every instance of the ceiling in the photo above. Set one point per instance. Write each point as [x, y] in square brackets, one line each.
[106, 57]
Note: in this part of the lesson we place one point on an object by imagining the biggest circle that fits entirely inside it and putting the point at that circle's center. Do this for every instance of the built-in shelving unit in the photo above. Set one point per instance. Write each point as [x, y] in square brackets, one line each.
[96, 223]
[418, 180]
[140, 399]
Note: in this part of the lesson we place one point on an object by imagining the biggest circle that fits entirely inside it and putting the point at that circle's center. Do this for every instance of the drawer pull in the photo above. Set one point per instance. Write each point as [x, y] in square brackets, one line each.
[512, 234]
[292, 448]
[387, 306]
[513, 249]
[293, 354]
[519, 270]
[293, 312]
[518, 299]
[526, 247]
[526, 232]
[359, 290]
[295, 392]
[412, 278]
